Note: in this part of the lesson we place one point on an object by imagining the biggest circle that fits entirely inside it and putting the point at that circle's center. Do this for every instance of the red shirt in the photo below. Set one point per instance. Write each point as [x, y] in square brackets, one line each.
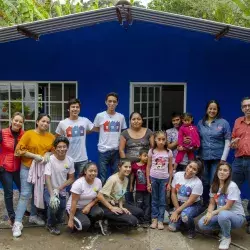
[242, 130]
[140, 176]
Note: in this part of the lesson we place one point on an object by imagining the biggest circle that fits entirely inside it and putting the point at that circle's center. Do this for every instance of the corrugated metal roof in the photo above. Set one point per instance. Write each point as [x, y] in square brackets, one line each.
[78, 20]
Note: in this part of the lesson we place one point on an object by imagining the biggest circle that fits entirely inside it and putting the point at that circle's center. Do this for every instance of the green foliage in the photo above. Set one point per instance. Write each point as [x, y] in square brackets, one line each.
[225, 11]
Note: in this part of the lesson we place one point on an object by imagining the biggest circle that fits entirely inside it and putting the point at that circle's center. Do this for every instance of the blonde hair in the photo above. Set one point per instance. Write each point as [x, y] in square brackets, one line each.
[16, 114]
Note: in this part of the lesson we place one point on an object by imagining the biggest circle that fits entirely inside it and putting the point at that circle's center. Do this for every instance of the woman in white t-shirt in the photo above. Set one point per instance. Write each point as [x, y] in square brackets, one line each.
[225, 211]
[186, 192]
[82, 205]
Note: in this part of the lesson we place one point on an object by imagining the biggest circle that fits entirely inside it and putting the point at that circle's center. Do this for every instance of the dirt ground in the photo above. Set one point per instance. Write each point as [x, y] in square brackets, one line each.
[139, 239]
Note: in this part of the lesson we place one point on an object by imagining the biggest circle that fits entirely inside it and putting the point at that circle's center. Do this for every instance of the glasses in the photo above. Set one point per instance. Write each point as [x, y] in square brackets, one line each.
[245, 106]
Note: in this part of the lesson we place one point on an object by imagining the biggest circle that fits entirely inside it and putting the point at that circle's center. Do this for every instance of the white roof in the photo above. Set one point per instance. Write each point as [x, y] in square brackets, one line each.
[78, 20]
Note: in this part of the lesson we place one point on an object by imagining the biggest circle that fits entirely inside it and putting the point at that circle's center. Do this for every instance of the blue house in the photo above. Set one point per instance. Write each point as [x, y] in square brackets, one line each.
[157, 62]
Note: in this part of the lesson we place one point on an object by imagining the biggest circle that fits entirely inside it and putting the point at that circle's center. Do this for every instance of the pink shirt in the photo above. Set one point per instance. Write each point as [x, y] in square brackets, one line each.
[160, 161]
[190, 131]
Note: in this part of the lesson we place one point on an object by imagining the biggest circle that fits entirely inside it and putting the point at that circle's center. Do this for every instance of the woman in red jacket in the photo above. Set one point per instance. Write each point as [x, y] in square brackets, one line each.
[9, 163]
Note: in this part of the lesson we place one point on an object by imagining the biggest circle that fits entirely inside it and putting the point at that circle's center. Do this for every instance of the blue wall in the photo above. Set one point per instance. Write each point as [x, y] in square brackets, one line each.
[105, 57]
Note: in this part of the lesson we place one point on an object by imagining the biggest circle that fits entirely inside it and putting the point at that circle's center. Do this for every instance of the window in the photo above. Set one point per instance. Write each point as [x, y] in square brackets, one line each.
[157, 102]
[32, 98]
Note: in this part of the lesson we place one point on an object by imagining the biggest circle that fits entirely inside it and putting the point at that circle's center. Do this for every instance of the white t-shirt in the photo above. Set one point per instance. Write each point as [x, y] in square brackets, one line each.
[86, 191]
[75, 131]
[59, 170]
[186, 187]
[110, 130]
[233, 194]
[160, 162]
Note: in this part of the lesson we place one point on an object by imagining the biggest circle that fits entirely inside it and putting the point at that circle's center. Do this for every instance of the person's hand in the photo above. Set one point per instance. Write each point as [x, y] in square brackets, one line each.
[149, 188]
[86, 209]
[46, 157]
[187, 140]
[234, 143]
[38, 158]
[207, 218]
[174, 217]
[116, 210]
[168, 187]
[222, 162]
[125, 210]
[180, 148]
[131, 189]
[71, 224]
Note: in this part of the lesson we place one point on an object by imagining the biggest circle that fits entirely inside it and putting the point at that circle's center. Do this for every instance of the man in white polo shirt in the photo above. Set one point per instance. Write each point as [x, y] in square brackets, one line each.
[109, 123]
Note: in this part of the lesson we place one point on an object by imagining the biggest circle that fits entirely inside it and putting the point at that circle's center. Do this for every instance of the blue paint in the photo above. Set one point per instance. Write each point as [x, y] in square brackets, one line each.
[105, 57]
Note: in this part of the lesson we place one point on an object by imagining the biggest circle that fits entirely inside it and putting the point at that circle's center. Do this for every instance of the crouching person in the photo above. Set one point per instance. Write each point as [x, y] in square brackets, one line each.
[112, 198]
[82, 207]
[225, 211]
[59, 173]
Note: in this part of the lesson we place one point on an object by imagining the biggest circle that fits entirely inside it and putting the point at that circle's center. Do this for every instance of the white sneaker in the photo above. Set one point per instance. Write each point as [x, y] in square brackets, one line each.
[17, 229]
[36, 220]
[224, 243]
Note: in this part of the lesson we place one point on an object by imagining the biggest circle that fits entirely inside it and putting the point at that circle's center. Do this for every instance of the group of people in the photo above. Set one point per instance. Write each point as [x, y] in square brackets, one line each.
[144, 167]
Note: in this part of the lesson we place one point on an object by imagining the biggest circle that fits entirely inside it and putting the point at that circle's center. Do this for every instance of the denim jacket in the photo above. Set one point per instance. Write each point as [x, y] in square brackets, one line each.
[213, 138]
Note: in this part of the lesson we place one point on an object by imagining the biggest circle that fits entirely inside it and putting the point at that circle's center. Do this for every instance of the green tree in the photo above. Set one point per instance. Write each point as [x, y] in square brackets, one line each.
[217, 10]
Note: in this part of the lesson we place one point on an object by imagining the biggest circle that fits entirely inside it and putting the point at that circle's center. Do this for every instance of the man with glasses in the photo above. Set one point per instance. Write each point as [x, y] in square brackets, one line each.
[241, 143]
[109, 123]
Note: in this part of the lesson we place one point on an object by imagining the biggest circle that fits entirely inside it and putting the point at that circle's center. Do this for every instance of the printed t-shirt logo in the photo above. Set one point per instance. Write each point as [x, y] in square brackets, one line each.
[111, 126]
[75, 131]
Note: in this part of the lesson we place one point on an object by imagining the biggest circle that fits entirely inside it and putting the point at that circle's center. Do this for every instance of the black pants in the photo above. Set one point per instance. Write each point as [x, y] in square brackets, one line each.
[143, 201]
[124, 219]
[82, 221]
[7, 179]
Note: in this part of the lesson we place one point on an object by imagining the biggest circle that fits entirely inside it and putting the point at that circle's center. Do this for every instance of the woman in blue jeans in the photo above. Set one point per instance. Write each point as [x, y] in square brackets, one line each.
[36, 145]
[9, 163]
[225, 211]
[186, 192]
[215, 136]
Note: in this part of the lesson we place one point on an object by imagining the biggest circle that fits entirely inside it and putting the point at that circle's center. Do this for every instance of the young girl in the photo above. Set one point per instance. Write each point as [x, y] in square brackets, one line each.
[159, 172]
[225, 197]
[187, 130]
[186, 192]
[112, 198]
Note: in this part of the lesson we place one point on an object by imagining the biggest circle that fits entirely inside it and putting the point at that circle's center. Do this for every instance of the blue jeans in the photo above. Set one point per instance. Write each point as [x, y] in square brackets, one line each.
[187, 216]
[224, 221]
[207, 178]
[79, 166]
[158, 198]
[108, 159]
[241, 172]
[7, 179]
[54, 218]
[26, 193]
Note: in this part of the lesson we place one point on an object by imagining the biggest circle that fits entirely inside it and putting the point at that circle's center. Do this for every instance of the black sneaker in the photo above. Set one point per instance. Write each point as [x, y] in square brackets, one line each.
[104, 227]
[248, 228]
[191, 234]
[53, 230]
[27, 213]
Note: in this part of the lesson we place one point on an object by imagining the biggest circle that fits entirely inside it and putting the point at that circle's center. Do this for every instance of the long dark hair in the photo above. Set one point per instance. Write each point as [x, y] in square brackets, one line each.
[89, 164]
[200, 165]
[216, 182]
[155, 135]
[205, 117]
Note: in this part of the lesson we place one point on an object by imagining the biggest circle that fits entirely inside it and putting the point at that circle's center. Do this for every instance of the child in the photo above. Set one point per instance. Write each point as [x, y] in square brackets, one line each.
[112, 198]
[142, 196]
[225, 210]
[159, 172]
[187, 130]
[56, 171]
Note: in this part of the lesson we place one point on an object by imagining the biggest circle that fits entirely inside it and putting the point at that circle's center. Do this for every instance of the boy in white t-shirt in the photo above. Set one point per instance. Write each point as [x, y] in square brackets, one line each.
[59, 173]
[75, 128]
[109, 123]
